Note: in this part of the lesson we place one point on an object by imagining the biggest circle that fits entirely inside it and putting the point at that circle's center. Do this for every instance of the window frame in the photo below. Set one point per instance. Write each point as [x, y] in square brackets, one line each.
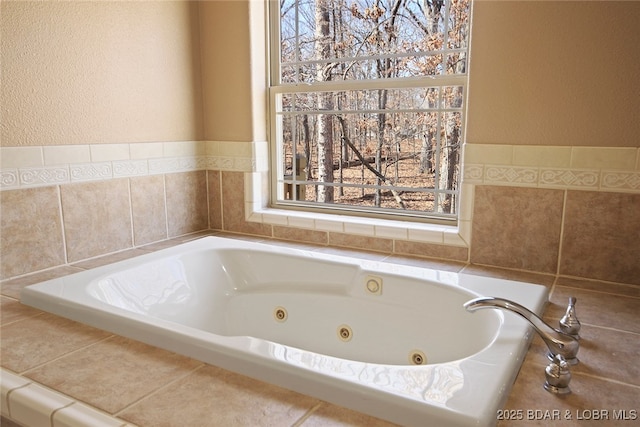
[275, 89]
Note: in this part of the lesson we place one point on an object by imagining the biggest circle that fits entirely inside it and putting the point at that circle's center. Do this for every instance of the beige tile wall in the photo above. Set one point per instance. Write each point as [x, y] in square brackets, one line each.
[50, 226]
[584, 224]
[31, 224]
[96, 218]
[215, 199]
[517, 227]
[573, 211]
[187, 204]
[148, 196]
[233, 206]
[601, 237]
[572, 233]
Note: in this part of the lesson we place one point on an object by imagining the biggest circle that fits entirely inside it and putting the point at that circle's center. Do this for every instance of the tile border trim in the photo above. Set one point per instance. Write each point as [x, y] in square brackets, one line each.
[613, 169]
[30, 170]
[562, 167]
[558, 178]
[44, 403]
[485, 164]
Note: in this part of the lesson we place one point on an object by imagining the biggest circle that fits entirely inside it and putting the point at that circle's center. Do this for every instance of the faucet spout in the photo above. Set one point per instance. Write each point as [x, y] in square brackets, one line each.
[557, 341]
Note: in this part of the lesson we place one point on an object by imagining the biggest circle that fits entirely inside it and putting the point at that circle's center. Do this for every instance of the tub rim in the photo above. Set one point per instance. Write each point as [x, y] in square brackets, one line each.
[253, 357]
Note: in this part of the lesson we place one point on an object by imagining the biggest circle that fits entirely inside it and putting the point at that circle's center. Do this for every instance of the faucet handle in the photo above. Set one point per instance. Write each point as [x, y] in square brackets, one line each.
[557, 376]
[569, 323]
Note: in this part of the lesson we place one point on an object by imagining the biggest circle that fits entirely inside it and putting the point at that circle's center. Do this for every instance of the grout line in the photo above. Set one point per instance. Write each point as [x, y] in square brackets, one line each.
[62, 228]
[133, 234]
[220, 204]
[206, 183]
[561, 237]
[159, 389]
[56, 410]
[55, 359]
[600, 292]
[9, 392]
[74, 264]
[307, 415]
[497, 267]
[22, 318]
[609, 328]
[552, 290]
[608, 282]
[44, 270]
[166, 207]
[611, 380]
[572, 154]
[471, 189]
[35, 400]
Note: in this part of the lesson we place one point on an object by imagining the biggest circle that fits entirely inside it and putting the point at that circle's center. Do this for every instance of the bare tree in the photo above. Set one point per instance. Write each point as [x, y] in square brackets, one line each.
[401, 138]
[325, 102]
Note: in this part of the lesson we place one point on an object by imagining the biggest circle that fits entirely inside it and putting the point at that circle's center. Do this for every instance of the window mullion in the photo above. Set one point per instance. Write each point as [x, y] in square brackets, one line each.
[333, 86]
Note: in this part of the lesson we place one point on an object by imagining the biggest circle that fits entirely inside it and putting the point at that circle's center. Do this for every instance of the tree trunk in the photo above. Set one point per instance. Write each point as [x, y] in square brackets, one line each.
[325, 102]
[307, 145]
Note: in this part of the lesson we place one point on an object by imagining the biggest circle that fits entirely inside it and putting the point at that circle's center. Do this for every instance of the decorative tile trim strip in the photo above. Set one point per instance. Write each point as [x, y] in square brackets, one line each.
[235, 164]
[561, 178]
[175, 164]
[125, 168]
[621, 180]
[24, 167]
[32, 177]
[91, 171]
[11, 179]
[511, 174]
[524, 166]
[473, 174]
[568, 178]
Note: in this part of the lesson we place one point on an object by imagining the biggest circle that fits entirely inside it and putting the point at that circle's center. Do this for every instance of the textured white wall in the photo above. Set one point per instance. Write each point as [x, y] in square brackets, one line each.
[555, 73]
[99, 72]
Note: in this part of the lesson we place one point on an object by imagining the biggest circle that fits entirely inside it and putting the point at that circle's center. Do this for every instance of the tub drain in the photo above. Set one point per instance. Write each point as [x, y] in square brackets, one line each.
[344, 333]
[280, 314]
[417, 357]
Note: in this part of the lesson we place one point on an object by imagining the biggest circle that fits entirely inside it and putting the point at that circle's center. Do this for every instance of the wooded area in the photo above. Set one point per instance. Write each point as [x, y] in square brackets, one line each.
[393, 146]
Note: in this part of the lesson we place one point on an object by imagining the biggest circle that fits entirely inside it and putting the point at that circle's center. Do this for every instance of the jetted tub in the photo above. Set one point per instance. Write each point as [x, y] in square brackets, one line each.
[388, 340]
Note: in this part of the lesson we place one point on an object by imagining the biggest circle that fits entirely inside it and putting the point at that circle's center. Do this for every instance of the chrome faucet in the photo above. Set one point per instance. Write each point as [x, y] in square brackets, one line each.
[558, 342]
[569, 323]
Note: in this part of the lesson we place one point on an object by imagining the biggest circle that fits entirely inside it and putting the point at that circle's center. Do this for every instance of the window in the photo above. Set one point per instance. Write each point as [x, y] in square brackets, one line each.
[367, 102]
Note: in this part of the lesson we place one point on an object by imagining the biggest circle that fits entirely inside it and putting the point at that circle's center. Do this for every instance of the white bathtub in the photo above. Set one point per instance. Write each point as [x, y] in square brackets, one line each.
[344, 330]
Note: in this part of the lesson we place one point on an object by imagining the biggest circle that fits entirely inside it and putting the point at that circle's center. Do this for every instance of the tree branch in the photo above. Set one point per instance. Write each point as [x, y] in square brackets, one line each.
[367, 164]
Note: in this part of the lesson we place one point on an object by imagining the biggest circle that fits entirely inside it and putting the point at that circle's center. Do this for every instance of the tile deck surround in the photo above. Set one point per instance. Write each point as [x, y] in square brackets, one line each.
[106, 376]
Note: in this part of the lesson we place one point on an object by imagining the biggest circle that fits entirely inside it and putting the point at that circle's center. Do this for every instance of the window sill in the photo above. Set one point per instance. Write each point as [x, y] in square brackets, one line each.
[385, 229]
[256, 196]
